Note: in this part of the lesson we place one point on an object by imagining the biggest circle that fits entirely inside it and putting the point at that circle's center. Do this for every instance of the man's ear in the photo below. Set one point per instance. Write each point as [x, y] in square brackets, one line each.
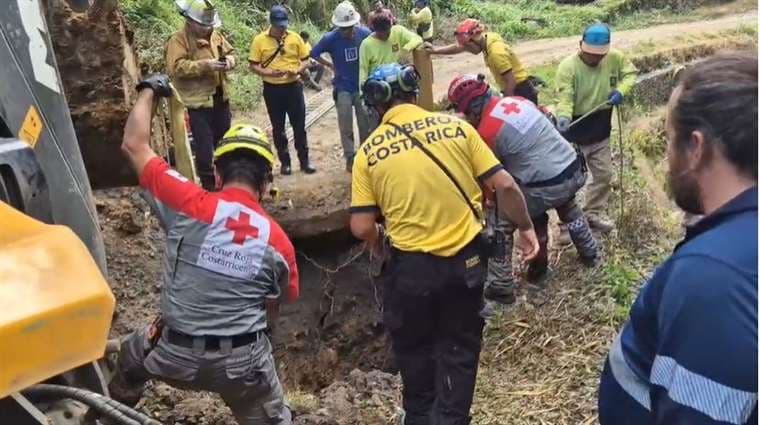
[695, 152]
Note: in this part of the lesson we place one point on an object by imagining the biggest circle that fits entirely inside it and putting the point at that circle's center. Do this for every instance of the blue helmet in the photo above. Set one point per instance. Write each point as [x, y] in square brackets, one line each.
[596, 39]
[390, 80]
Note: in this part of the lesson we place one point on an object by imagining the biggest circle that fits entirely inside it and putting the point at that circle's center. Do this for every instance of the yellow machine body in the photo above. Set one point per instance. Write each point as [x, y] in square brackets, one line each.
[55, 305]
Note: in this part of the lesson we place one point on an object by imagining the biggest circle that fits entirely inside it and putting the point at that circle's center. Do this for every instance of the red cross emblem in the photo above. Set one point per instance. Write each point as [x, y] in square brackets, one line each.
[511, 108]
[241, 228]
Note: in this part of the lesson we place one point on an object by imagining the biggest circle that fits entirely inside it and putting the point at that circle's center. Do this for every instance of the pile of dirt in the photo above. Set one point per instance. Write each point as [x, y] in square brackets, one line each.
[99, 70]
[366, 398]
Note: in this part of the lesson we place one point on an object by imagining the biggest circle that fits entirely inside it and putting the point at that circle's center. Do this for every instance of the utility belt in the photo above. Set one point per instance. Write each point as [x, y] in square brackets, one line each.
[211, 342]
[578, 164]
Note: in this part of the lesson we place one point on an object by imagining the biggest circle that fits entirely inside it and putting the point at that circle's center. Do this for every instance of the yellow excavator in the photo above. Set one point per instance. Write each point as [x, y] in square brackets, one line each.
[55, 303]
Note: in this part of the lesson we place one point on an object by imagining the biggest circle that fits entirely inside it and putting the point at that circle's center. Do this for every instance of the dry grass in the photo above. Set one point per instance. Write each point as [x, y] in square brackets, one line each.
[542, 359]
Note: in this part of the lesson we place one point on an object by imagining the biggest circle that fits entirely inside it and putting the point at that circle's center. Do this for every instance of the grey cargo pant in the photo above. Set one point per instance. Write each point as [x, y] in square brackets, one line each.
[245, 376]
[561, 197]
[347, 104]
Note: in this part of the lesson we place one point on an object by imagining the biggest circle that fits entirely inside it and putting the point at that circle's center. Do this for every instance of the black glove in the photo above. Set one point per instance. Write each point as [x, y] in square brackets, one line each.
[159, 83]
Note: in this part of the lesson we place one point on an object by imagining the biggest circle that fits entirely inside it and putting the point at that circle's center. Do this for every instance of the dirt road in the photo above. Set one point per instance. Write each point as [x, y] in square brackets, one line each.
[312, 204]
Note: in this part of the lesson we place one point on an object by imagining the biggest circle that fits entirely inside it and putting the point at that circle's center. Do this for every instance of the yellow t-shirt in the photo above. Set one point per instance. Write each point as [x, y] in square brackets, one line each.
[500, 58]
[290, 57]
[423, 210]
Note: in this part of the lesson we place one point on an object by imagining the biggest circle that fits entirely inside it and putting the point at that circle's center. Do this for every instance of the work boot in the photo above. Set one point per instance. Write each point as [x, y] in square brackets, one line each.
[538, 268]
[285, 170]
[307, 168]
[601, 225]
[502, 294]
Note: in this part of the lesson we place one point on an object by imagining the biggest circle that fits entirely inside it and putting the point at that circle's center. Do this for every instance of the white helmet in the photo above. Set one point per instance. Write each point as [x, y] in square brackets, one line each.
[345, 15]
[200, 11]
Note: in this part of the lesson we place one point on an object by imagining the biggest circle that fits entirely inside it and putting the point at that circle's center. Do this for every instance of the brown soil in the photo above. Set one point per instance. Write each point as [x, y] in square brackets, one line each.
[327, 193]
[98, 67]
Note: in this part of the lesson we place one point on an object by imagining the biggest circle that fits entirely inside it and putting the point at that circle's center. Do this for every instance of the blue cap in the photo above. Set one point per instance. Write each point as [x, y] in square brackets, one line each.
[596, 39]
[278, 16]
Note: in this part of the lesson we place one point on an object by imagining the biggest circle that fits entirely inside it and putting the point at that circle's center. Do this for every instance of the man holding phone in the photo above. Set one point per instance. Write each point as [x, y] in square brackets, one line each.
[280, 57]
[197, 60]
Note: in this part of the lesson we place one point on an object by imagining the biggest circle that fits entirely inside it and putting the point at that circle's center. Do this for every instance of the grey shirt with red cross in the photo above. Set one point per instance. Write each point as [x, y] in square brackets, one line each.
[224, 256]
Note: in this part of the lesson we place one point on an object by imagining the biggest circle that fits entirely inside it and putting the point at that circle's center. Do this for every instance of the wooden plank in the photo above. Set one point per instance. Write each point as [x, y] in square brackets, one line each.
[424, 66]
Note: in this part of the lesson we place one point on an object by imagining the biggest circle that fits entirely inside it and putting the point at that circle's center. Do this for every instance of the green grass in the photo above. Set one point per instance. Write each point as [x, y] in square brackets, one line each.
[153, 22]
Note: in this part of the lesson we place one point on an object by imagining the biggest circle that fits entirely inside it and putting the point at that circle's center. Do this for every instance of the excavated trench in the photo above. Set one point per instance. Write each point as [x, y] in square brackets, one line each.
[335, 326]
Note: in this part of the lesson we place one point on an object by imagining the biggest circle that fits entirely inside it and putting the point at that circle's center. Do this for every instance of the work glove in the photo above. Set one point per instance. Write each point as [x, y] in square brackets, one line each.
[159, 83]
[563, 124]
[615, 98]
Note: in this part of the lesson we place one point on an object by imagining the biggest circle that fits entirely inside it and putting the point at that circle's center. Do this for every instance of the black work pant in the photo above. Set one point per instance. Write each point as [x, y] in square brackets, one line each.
[282, 99]
[433, 317]
[208, 126]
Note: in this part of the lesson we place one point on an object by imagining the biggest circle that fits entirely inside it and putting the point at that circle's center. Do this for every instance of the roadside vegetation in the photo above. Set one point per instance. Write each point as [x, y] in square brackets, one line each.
[153, 22]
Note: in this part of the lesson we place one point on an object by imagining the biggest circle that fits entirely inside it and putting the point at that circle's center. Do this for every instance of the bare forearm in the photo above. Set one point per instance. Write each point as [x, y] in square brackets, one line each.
[451, 49]
[137, 130]
[509, 83]
[512, 205]
[325, 62]
[259, 70]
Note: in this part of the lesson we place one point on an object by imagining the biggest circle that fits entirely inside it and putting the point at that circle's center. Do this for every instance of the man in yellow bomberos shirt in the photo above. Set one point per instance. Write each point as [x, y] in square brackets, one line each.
[422, 172]
[507, 70]
[198, 59]
[280, 57]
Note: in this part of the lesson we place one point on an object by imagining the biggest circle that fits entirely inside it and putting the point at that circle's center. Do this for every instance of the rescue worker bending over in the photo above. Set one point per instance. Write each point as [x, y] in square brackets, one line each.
[548, 169]
[226, 264]
[198, 59]
[433, 281]
[506, 68]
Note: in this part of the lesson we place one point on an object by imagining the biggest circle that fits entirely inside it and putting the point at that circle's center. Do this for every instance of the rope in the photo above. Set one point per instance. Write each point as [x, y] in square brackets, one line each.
[328, 283]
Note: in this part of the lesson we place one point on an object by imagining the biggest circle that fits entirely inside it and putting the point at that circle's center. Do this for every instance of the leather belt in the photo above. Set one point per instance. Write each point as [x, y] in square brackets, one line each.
[212, 342]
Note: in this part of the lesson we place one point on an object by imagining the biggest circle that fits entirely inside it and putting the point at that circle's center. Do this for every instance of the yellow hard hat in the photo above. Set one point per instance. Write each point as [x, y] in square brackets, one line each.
[245, 136]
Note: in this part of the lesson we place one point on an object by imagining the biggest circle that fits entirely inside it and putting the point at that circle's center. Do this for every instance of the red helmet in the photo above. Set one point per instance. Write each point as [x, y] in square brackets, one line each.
[466, 88]
[467, 29]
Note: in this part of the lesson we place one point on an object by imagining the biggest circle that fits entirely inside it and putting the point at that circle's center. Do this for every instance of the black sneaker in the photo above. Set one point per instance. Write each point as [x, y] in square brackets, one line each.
[285, 170]
[308, 169]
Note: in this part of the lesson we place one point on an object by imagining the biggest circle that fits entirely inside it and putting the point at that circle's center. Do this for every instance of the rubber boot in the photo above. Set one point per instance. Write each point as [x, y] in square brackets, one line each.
[583, 239]
[539, 266]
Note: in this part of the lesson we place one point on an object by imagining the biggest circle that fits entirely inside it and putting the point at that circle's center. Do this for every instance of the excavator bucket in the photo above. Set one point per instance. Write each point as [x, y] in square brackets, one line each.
[55, 305]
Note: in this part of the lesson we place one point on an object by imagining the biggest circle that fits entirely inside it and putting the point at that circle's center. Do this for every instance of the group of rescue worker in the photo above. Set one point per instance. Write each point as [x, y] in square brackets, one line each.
[438, 198]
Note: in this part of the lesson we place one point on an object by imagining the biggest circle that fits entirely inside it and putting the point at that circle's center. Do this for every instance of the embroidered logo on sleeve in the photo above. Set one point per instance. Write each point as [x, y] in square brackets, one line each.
[236, 241]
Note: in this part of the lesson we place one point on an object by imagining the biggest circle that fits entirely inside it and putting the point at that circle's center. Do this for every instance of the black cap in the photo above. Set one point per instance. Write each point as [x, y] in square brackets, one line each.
[278, 16]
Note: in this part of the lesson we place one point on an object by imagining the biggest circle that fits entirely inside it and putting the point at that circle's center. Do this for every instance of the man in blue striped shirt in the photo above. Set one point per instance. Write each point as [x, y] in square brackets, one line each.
[688, 353]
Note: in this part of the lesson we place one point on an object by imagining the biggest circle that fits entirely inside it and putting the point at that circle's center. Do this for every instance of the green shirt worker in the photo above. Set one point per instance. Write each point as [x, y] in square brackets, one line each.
[596, 75]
